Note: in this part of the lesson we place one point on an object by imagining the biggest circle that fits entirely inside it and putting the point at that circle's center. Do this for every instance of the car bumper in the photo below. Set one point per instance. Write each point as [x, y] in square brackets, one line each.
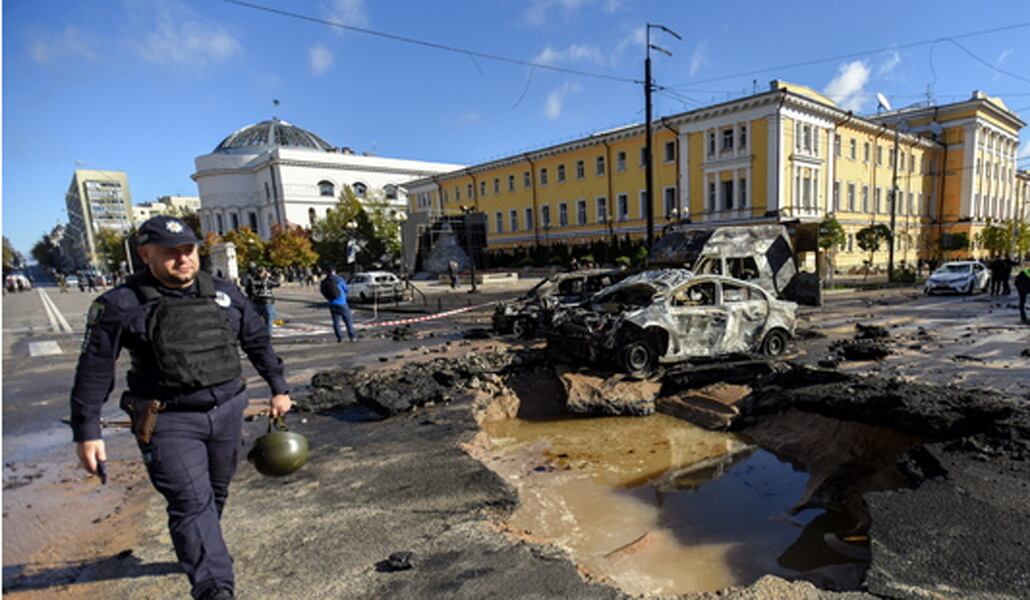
[949, 286]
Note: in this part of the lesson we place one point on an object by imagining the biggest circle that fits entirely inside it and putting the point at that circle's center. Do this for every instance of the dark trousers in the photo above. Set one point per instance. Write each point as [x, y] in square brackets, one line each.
[1023, 289]
[341, 312]
[190, 459]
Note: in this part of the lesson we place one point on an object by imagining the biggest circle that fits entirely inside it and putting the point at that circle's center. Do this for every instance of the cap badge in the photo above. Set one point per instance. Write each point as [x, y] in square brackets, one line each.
[174, 226]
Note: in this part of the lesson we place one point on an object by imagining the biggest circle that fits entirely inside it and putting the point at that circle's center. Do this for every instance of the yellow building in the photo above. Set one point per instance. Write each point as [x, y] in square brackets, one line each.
[789, 155]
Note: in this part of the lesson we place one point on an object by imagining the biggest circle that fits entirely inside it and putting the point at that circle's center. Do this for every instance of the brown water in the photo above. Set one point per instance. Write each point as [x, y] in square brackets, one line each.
[657, 505]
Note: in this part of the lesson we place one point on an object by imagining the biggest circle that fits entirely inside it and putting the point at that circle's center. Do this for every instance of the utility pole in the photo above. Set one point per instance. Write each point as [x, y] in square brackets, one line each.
[648, 151]
[898, 126]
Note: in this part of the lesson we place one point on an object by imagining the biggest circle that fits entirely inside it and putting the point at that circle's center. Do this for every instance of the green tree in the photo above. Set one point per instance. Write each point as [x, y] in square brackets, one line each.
[831, 237]
[290, 246]
[42, 252]
[188, 216]
[12, 258]
[111, 245]
[870, 239]
[996, 238]
[250, 248]
[370, 225]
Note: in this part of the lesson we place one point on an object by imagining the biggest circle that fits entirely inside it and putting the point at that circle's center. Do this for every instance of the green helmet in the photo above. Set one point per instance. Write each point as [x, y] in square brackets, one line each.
[280, 452]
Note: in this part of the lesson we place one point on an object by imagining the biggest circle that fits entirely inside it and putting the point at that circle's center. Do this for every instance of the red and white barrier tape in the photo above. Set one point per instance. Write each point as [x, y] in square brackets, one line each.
[439, 315]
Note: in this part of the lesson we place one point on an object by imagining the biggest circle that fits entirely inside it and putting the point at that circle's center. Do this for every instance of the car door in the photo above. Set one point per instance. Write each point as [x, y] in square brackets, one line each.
[700, 322]
[747, 311]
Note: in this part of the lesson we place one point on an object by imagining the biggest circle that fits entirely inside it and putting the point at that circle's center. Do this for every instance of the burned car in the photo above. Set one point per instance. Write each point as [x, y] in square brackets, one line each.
[672, 316]
[526, 314]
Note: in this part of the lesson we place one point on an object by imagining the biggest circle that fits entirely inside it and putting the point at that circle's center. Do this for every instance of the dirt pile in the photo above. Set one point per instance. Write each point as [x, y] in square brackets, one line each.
[871, 342]
[589, 393]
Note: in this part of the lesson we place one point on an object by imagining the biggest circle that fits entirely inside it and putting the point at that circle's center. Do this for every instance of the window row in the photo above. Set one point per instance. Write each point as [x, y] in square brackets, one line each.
[914, 165]
[509, 222]
[727, 139]
[327, 189]
[910, 203]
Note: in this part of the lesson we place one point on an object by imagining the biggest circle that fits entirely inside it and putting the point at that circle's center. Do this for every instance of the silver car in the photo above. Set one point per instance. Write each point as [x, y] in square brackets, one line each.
[672, 316]
[962, 276]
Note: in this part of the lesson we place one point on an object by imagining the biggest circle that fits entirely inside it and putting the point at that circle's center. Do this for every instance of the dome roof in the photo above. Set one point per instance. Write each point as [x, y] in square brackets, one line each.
[271, 134]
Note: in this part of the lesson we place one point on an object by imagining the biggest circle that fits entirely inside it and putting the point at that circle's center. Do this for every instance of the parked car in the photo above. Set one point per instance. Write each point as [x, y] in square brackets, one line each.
[374, 285]
[528, 313]
[964, 277]
[673, 316]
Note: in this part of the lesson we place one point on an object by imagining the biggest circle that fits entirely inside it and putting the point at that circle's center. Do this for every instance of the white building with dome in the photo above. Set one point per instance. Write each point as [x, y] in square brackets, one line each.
[273, 172]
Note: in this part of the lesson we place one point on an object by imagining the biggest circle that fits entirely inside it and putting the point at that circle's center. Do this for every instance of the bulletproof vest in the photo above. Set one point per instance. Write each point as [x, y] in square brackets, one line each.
[191, 338]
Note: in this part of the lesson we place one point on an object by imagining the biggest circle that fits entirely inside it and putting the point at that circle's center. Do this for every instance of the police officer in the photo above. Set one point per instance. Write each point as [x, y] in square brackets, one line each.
[182, 328]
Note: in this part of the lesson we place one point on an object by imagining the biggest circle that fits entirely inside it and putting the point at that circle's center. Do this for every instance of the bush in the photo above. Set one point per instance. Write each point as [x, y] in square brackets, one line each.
[623, 261]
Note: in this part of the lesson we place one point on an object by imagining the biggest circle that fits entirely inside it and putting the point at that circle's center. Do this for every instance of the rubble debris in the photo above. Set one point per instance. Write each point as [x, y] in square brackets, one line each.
[477, 333]
[870, 332]
[807, 333]
[592, 394]
[862, 350]
[712, 407]
[398, 561]
[403, 333]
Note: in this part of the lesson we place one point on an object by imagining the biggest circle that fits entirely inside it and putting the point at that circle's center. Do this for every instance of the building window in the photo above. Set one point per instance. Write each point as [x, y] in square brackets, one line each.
[901, 162]
[711, 143]
[623, 208]
[620, 161]
[727, 194]
[234, 219]
[312, 217]
[561, 173]
[711, 195]
[836, 195]
[643, 156]
[545, 216]
[879, 156]
[670, 203]
[602, 209]
[742, 192]
[529, 218]
[851, 197]
[865, 152]
[513, 215]
[499, 219]
[836, 144]
[543, 176]
[580, 169]
[877, 199]
[253, 221]
[360, 189]
[271, 223]
[743, 136]
[326, 189]
[471, 189]
[600, 165]
[865, 198]
[221, 224]
[526, 181]
[268, 195]
[457, 193]
[853, 149]
[581, 212]
[390, 191]
[563, 214]
[806, 139]
[727, 139]
[643, 204]
[511, 183]
[670, 151]
[497, 185]
[911, 203]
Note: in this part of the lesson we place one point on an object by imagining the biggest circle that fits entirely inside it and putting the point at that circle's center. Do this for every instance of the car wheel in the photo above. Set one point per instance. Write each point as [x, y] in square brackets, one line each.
[971, 287]
[521, 328]
[638, 358]
[775, 343]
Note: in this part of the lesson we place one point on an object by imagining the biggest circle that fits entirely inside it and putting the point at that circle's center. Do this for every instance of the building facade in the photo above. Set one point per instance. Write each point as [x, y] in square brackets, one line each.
[789, 155]
[274, 173]
[95, 200]
[165, 205]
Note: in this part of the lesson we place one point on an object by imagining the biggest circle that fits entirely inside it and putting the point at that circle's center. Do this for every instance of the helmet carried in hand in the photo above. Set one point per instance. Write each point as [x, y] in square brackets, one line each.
[280, 452]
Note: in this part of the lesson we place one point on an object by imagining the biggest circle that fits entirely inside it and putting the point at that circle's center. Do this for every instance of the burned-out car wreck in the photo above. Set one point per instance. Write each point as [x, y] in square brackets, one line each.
[526, 314]
[672, 316]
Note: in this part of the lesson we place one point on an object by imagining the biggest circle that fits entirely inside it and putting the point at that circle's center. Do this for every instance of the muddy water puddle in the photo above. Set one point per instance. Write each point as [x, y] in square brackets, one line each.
[659, 506]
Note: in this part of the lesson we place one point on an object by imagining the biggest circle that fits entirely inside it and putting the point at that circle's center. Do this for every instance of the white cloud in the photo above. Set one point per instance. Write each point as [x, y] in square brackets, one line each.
[178, 36]
[71, 42]
[848, 88]
[470, 117]
[574, 53]
[699, 58]
[540, 11]
[638, 37]
[349, 12]
[556, 99]
[890, 62]
[320, 59]
[1004, 54]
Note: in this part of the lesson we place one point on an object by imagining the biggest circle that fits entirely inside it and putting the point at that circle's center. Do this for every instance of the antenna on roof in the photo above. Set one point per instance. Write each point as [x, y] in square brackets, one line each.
[882, 103]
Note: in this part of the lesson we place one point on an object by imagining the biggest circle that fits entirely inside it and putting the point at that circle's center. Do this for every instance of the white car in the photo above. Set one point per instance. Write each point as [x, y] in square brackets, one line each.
[964, 277]
[372, 286]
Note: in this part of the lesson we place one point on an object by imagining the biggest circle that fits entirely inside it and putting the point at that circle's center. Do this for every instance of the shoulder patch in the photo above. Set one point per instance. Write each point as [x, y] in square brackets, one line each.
[95, 311]
[222, 299]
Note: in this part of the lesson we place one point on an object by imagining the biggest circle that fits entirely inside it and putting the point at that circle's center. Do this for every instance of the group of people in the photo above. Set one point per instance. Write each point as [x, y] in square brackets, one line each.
[260, 283]
[1001, 271]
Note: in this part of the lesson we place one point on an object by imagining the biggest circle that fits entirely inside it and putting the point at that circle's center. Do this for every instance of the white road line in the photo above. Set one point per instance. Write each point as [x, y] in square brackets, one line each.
[46, 309]
[65, 327]
[47, 348]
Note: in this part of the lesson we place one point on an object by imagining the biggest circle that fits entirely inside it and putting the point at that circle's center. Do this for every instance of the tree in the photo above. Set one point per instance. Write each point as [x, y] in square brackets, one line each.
[870, 238]
[210, 239]
[188, 216]
[1021, 237]
[995, 238]
[370, 226]
[12, 258]
[831, 237]
[43, 252]
[250, 248]
[290, 246]
[111, 245]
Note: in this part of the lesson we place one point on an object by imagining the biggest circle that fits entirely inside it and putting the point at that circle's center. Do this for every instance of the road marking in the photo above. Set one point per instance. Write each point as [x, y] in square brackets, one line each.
[47, 348]
[57, 321]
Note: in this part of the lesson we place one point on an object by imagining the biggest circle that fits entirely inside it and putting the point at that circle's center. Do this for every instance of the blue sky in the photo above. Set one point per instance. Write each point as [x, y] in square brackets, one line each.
[146, 86]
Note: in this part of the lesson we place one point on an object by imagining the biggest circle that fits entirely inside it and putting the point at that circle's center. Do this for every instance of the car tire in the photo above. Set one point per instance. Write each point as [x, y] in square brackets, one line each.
[775, 343]
[638, 358]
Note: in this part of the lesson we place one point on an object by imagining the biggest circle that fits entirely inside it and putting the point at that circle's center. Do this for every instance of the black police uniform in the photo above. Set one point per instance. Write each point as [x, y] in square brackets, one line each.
[192, 454]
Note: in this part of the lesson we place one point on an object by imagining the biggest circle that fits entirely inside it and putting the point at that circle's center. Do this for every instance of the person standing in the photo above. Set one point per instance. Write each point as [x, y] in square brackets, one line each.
[334, 289]
[996, 267]
[1004, 274]
[1023, 289]
[259, 286]
[183, 329]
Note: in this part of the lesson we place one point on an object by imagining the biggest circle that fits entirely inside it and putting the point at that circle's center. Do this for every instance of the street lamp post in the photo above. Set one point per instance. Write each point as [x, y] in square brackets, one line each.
[470, 246]
[899, 125]
[648, 151]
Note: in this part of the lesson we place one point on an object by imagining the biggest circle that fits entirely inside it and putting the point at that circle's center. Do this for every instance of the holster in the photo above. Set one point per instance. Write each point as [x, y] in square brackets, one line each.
[143, 413]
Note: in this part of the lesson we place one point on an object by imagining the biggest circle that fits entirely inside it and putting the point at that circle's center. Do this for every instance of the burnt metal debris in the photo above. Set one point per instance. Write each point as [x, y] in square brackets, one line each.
[532, 311]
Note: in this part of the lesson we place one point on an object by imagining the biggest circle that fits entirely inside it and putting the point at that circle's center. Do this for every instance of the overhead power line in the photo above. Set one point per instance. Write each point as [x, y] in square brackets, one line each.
[816, 61]
[436, 46]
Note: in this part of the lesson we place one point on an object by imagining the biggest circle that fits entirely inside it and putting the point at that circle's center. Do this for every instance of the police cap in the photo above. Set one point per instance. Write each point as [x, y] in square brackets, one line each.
[163, 230]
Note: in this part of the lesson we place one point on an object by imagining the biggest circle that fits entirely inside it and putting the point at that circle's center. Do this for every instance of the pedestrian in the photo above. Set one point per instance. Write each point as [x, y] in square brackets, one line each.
[82, 282]
[259, 286]
[994, 267]
[1005, 273]
[62, 282]
[1023, 289]
[92, 279]
[452, 270]
[334, 289]
[182, 329]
